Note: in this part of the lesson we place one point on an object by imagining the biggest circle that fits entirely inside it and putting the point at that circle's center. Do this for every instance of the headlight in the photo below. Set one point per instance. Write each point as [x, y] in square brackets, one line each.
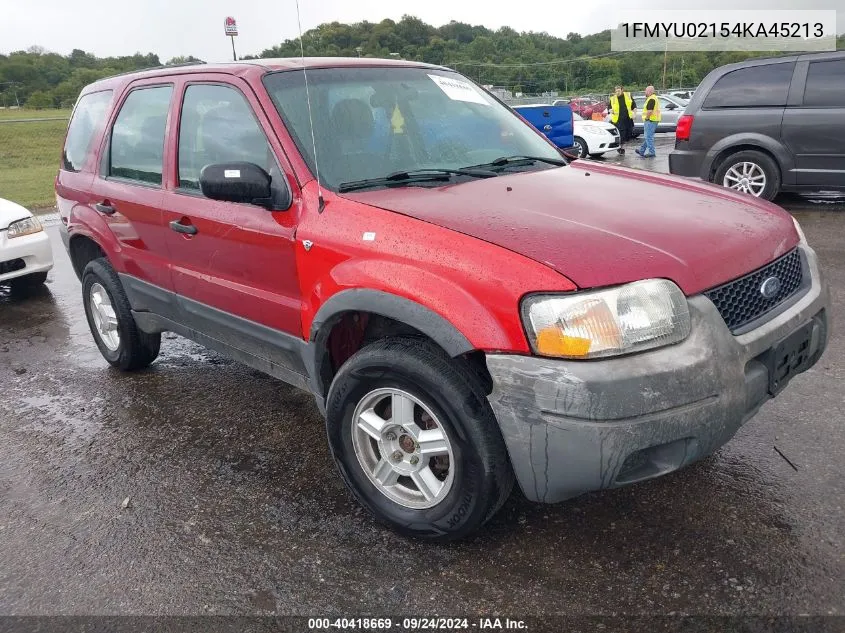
[630, 318]
[27, 226]
[801, 235]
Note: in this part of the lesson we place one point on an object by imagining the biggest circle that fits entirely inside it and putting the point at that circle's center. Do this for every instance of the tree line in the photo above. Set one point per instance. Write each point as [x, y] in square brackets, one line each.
[532, 63]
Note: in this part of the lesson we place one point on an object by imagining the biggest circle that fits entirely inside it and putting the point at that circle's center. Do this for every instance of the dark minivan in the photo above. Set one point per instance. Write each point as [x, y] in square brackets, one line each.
[767, 125]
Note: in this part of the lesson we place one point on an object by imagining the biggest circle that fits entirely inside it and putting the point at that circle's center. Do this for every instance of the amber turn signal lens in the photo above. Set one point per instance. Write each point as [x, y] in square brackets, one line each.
[552, 342]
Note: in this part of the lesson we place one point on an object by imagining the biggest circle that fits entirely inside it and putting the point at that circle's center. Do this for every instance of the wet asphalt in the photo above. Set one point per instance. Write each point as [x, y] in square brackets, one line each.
[235, 507]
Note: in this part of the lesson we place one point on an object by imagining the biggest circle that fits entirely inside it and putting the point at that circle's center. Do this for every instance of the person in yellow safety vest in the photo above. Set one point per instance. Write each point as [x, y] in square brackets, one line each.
[651, 119]
[622, 108]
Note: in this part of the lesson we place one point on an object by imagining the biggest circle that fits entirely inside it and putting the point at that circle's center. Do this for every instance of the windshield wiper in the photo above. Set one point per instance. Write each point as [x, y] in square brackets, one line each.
[416, 175]
[523, 160]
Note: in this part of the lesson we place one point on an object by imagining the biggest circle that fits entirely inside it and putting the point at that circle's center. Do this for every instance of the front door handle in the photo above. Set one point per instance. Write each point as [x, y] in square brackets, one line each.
[188, 229]
[105, 208]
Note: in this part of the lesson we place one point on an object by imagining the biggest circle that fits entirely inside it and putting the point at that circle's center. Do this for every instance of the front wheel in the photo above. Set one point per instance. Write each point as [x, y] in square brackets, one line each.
[415, 439]
[110, 318]
[580, 146]
[750, 172]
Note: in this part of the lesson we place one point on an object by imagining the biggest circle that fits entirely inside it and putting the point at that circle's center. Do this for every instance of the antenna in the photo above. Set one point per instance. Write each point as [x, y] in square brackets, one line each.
[322, 204]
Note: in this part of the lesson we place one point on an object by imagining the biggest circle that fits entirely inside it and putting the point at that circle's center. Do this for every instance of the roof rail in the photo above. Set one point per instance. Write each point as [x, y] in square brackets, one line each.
[141, 70]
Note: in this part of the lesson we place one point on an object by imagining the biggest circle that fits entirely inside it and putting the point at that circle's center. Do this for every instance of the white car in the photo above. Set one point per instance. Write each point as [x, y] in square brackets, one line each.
[594, 138]
[25, 253]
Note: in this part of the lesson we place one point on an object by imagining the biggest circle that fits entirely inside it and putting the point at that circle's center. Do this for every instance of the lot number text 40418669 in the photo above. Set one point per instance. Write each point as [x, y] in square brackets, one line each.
[416, 624]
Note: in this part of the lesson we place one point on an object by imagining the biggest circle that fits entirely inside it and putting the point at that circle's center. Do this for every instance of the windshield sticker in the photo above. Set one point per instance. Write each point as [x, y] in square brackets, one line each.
[458, 90]
[397, 121]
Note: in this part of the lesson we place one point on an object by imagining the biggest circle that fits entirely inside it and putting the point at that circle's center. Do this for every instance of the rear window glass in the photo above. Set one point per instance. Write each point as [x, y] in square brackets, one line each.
[137, 139]
[826, 84]
[88, 118]
[756, 86]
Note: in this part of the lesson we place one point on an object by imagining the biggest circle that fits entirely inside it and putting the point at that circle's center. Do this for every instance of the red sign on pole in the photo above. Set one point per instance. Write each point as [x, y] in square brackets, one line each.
[230, 26]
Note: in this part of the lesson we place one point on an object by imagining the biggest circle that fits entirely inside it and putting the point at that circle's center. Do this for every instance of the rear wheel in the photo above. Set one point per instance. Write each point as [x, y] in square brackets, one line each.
[416, 441]
[750, 172]
[109, 316]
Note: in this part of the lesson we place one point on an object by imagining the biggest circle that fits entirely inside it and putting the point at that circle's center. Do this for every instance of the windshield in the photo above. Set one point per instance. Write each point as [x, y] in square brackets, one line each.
[371, 122]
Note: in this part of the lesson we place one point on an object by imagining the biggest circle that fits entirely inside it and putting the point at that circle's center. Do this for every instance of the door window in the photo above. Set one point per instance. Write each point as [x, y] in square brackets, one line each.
[826, 84]
[137, 138]
[218, 126]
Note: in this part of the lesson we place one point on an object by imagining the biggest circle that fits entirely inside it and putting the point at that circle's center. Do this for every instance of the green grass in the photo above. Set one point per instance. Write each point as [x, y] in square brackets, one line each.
[23, 113]
[29, 159]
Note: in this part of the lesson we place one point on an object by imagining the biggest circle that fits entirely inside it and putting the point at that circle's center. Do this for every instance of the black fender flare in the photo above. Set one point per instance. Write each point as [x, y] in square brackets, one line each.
[385, 304]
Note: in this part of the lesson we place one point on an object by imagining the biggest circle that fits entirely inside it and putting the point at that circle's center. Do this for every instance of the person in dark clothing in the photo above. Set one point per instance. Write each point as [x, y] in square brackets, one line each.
[622, 108]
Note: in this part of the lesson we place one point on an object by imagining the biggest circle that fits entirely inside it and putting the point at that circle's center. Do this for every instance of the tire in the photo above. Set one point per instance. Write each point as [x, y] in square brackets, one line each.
[449, 397]
[580, 146]
[753, 163]
[28, 283]
[134, 349]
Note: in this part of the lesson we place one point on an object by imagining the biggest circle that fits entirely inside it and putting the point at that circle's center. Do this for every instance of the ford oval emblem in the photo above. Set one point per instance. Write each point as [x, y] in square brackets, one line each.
[770, 287]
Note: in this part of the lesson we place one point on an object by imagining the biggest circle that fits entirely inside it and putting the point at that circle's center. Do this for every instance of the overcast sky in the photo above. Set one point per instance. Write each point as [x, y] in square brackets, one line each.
[195, 27]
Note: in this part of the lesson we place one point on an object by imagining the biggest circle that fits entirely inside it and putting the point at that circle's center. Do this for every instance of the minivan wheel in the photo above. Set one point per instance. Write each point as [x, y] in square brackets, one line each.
[580, 147]
[109, 316]
[415, 439]
[750, 172]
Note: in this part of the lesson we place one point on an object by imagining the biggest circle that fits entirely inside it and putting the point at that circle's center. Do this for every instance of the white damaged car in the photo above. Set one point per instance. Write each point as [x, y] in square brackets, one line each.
[594, 138]
[25, 253]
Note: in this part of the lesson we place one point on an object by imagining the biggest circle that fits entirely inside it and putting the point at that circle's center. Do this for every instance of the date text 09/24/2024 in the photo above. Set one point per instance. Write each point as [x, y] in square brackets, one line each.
[416, 624]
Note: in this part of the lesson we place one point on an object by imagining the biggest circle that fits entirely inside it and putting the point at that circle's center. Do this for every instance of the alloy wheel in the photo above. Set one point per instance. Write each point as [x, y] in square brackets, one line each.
[403, 448]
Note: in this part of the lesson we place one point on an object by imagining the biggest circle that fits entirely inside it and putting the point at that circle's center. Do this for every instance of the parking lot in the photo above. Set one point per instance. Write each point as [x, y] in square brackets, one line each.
[235, 507]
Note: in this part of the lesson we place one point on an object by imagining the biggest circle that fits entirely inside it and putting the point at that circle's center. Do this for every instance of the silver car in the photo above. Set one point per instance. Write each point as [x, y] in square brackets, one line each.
[671, 110]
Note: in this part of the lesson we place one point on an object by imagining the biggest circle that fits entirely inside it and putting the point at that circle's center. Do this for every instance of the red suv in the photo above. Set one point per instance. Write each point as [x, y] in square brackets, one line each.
[468, 308]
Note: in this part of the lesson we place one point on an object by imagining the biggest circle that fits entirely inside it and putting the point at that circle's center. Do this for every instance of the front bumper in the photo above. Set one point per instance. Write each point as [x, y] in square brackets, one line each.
[33, 250]
[576, 426]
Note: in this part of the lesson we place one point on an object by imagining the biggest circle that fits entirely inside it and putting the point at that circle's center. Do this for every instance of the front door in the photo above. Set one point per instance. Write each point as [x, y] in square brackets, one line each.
[235, 270]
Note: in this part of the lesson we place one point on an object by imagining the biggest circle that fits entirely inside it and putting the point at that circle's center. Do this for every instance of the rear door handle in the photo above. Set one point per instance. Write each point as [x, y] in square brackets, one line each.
[105, 208]
[188, 229]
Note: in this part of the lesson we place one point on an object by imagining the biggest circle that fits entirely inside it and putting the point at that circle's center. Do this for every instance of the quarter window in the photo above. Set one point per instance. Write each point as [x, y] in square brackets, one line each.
[218, 126]
[826, 84]
[755, 86]
[137, 139]
[87, 121]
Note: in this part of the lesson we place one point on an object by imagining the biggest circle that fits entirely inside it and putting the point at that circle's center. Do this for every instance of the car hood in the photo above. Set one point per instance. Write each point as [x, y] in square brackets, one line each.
[603, 225]
[598, 125]
[11, 211]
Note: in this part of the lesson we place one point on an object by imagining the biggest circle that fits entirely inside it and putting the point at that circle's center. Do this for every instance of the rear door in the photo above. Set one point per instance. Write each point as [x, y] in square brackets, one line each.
[236, 274]
[814, 128]
[127, 191]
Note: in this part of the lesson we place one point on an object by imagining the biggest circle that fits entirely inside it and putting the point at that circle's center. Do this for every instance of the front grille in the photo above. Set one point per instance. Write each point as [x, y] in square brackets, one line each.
[11, 266]
[741, 301]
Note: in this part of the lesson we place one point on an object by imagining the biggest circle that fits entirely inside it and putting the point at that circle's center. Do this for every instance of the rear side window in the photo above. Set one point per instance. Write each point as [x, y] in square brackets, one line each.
[826, 84]
[137, 138]
[756, 86]
[87, 121]
[218, 126]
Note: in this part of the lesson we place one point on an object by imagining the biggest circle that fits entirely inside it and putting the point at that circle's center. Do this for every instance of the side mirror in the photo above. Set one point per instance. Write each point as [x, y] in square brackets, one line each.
[671, 106]
[237, 182]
